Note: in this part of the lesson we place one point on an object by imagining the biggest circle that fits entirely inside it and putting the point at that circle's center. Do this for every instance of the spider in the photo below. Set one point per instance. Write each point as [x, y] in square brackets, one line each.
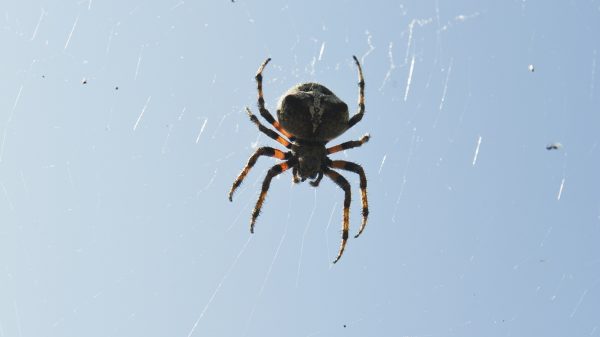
[309, 115]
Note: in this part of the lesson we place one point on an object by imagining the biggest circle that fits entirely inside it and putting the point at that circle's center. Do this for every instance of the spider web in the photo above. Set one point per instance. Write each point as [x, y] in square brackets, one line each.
[123, 125]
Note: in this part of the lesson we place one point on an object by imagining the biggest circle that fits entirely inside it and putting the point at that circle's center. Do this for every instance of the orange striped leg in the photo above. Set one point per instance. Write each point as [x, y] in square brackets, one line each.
[272, 134]
[263, 151]
[343, 183]
[349, 145]
[353, 167]
[261, 103]
[361, 96]
[275, 170]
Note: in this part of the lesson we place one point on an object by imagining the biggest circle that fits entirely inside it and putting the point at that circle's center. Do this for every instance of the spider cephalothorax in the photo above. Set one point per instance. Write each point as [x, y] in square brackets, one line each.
[312, 160]
[309, 115]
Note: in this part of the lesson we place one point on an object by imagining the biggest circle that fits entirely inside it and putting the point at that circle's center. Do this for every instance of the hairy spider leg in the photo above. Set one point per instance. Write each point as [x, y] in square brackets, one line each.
[275, 170]
[349, 145]
[272, 134]
[361, 96]
[342, 183]
[353, 167]
[263, 151]
[261, 103]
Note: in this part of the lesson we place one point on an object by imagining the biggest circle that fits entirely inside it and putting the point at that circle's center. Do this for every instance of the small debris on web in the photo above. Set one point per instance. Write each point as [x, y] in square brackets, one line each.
[554, 146]
[531, 68]
[84, 81]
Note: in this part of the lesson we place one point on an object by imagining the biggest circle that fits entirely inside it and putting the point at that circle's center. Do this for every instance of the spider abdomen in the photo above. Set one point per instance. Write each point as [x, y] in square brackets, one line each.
[311, 111]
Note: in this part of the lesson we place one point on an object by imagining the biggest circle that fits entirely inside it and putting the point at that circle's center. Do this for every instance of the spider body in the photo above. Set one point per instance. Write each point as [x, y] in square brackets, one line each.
[312, 160]
[308, 116]
[312, 113]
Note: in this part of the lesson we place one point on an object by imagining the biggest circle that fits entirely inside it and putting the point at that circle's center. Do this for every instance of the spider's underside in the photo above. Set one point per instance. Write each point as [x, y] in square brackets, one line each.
[309, 115]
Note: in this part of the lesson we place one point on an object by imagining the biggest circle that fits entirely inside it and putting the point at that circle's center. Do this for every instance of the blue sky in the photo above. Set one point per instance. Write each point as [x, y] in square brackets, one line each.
[122, 127]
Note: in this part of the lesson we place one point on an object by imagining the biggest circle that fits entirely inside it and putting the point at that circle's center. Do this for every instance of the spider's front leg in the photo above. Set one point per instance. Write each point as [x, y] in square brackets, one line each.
[263, 151]
[342, 183]
[275, 170]
[353, 167]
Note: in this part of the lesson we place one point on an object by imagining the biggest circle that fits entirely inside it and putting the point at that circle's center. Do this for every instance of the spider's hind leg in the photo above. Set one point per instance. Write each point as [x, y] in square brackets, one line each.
[261, 103]
[361, 96]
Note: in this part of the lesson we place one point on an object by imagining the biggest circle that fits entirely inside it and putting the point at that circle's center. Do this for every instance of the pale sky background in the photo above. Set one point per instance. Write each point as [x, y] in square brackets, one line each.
[122, 127]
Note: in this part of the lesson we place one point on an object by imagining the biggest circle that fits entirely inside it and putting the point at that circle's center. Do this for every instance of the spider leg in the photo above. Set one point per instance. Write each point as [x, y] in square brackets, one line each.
[272, 134]
[342, 183]
[349, 145]
[361, 96]
[261, 103]
[263, 151]
[353, 167]
[275, 170]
